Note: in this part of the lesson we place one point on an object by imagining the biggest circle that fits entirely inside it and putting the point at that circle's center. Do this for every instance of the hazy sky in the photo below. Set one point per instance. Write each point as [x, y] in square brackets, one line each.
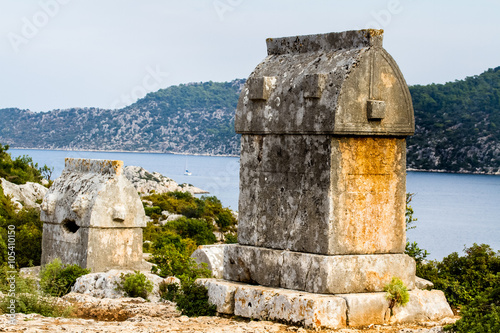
[107, 53]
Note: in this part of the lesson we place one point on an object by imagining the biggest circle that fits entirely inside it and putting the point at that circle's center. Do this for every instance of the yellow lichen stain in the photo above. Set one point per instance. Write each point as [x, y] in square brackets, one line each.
[388, 79]
[375, 279]
[118, 166]
[317, 321]
[368, 168]
[373, 32]
[242, 302]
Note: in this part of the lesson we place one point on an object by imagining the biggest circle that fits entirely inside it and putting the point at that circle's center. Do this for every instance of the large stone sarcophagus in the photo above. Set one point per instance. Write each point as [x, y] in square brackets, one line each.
[321, 225]
[323, 167]
[93, 217]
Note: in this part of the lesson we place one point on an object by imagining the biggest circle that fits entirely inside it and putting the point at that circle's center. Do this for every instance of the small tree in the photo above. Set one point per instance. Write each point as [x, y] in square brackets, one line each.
[409, 212]
[46, 172]
[397, 293]
[412, 249]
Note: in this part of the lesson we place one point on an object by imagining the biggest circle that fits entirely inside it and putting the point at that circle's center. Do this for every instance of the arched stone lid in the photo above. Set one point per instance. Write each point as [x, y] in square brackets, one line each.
[93, 193]
[336, 83]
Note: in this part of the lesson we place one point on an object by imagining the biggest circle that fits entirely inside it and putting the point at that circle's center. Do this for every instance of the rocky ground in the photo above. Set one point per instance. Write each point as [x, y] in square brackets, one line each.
[136, 315]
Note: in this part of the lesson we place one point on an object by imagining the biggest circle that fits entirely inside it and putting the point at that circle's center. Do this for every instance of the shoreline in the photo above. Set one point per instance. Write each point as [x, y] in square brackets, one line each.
[453, 172]
[127, 151]
[230, 155]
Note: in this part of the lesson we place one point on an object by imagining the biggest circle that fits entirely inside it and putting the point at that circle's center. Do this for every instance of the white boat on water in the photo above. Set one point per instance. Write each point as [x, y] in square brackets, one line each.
[187, 173]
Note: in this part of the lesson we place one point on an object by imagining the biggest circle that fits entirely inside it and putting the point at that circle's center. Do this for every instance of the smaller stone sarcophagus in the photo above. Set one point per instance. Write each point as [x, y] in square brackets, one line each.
[93, 217]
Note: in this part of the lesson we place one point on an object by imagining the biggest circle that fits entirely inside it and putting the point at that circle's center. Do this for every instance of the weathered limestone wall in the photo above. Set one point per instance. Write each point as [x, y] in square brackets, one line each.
[93, 217]
[284, 186]
[323, 194]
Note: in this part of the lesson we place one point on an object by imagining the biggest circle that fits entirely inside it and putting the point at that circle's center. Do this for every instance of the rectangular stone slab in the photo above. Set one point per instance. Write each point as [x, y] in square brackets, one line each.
[316, 273]
[323, 311]
[305, 309]
[373, 308]
[323, 194]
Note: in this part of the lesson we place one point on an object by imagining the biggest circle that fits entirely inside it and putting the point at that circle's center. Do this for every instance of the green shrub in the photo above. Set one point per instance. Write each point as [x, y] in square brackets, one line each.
[207, 208]
[152, 210]
[193, 301]
[57, 279]
[225, 220]
[28, 228]
[135, 285]
[463, 278]
[409, 212]
[397, 293]
[169, 291]
[201, 231]
[412, 249]
[20, 169]
[191, 298]
[184, 245]
[26, 221]
[23, 285]
[37, 303]
[169, 261]
[27, 297]
[481, 315]
[231, 238]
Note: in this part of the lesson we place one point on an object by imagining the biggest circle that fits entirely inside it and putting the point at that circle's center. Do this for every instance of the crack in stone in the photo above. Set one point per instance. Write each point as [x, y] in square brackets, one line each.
[287, 243]
[307, 276]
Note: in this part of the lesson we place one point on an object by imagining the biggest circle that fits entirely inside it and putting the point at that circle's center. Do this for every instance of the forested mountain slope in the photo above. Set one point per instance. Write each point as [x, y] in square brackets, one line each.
[457, 125]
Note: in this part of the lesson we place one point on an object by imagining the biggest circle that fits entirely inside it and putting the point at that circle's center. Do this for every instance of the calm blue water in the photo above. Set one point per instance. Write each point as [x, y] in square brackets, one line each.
[453, 210]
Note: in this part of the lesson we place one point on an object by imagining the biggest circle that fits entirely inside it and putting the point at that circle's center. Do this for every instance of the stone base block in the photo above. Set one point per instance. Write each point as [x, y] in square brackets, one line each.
[221, 293]
[323, 311]
[212, 255]
[294, 307]
[373, 308]
[424, 305]
[315, 273]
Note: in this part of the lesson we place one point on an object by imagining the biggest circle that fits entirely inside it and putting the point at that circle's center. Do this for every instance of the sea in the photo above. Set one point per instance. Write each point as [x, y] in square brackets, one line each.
[454, 211]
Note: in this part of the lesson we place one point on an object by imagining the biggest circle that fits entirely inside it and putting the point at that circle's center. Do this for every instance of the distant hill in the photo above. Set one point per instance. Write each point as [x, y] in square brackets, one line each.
[457, 124]
[195, 118]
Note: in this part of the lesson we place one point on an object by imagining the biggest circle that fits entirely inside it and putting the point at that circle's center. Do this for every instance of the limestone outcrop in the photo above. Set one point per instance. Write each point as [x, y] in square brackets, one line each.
[104, 284]
[148, 183]
[27, 195]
